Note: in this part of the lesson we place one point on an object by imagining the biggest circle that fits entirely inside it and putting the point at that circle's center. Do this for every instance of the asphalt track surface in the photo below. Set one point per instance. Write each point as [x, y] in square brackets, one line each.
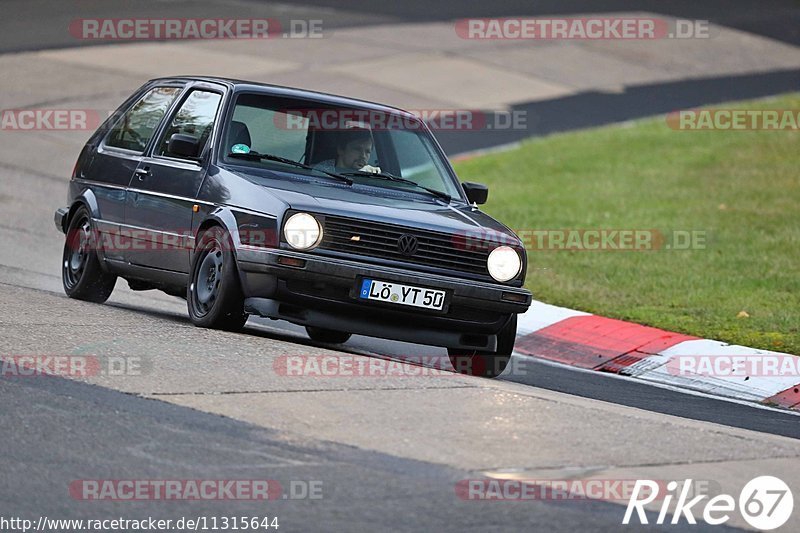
[394, 473]
[134, 438]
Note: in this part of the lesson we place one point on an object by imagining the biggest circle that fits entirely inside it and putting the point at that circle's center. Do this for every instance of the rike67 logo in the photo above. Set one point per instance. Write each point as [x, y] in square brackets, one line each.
[765, 502]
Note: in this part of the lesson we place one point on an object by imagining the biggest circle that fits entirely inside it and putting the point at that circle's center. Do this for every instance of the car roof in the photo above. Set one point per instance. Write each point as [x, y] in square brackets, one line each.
[293, 92]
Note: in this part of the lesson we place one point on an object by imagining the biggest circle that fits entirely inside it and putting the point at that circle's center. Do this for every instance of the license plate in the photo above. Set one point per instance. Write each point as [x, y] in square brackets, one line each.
[384, 291]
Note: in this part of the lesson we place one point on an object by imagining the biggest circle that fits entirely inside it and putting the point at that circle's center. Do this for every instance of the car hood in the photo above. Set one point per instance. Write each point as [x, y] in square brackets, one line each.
[384, 205]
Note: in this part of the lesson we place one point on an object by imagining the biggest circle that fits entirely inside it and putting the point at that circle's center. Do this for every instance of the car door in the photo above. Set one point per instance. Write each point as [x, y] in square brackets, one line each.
[117, 156]
[159, 206]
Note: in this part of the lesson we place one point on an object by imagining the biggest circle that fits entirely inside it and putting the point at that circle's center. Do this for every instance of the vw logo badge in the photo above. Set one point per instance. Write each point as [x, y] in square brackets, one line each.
[407, 244]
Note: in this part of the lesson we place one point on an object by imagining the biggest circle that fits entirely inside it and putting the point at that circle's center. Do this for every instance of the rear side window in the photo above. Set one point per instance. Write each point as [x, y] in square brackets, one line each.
[134, 130]
[194, 118]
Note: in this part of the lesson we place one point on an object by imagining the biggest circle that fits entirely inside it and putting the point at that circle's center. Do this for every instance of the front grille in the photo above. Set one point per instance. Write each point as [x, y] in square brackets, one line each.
[376, 239]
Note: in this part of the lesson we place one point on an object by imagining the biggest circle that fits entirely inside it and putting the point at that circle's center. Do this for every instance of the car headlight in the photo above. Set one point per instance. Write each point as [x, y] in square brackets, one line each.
[302, 231]
[504, 263]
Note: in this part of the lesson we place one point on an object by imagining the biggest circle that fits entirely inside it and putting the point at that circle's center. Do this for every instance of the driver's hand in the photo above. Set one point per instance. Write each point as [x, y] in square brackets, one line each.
[370, 168]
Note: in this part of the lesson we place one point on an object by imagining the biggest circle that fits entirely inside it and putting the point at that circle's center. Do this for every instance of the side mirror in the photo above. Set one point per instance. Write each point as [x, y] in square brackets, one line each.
[183, 145]
[477, 193]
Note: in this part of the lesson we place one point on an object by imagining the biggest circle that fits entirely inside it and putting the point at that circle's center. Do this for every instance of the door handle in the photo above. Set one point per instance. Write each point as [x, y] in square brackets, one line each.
[141, 173]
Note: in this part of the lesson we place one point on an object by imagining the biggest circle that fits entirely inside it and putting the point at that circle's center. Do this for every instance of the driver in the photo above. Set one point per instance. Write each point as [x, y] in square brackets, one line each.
[353, 151]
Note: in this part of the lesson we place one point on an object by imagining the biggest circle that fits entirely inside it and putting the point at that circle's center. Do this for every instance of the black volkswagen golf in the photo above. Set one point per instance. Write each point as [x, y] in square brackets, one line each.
[340, 215]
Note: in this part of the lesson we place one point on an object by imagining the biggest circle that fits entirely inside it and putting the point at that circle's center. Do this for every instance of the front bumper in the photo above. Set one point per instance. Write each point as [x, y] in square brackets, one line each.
[323, 292]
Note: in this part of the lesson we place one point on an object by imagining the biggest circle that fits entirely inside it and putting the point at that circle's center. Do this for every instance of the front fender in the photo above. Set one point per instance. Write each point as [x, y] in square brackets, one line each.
[246, 229]
[216, 216]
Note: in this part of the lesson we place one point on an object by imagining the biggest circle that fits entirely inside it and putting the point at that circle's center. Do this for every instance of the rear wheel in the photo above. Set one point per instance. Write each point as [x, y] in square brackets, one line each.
[327, 335]
[214, 297]
[487, 364]
[82, 274]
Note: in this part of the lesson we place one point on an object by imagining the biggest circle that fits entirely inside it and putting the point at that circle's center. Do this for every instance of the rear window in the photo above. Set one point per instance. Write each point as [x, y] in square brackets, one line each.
[134, 130]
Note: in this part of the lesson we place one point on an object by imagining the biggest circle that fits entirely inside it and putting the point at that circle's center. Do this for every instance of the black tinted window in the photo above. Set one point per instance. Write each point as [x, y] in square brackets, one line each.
[134, 130]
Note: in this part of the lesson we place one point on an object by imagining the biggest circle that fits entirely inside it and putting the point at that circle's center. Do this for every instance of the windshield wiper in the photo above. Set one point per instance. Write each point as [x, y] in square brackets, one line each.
[391, 177]
[256, 156]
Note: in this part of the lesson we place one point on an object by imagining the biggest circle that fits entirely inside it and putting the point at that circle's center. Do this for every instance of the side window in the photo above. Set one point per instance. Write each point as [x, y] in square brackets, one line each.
[134, 130]
[194, 119]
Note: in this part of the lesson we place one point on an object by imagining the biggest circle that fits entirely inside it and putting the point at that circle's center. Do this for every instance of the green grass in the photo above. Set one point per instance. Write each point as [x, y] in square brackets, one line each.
[741, 187]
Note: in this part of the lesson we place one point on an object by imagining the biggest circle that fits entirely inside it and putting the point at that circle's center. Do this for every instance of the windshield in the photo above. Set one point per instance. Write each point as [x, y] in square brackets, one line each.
[336, 140]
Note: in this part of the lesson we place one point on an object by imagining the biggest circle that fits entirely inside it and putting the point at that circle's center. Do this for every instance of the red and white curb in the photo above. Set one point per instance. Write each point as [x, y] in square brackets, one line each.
[607, 345]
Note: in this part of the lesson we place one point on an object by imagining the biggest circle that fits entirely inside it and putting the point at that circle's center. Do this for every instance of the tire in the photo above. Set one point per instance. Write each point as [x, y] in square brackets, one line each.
[487, 364]
[82, 275]
[328, 336]
[214, 296]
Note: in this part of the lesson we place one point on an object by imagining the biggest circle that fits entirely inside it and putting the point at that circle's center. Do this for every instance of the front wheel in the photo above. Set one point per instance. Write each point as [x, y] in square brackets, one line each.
[81, 273]
[328, 336]
[483, 363]
[214, 297]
